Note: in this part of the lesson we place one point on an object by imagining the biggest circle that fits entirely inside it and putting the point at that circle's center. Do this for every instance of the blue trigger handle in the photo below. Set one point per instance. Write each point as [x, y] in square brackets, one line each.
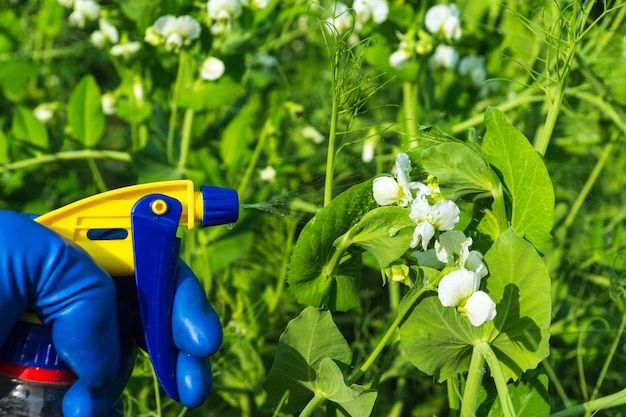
[154, 222]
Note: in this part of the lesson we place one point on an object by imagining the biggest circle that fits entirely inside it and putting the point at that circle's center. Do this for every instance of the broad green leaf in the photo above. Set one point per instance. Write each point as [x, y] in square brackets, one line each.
[529, 395]
[460, 170]
[4, 147]
[525, 176]
[308, 340]
[355, 400]
[385, 232]
[438, 340]
[210, 95]
[234, 142]
[519, 284]
[85, 115]
[28, 128]
[307, 277]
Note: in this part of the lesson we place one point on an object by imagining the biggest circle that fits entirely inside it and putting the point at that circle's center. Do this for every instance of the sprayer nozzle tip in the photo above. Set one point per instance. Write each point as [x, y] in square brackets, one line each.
[220, 206]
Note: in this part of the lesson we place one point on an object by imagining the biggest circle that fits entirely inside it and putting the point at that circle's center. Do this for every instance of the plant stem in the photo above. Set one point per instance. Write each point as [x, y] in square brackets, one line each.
[97, 175]
[66, 156]
[609, 358]
[584, 192]
[556, 382]
[527, 96]
[499, 207]
[157, 394]
[282, 275]
[555, 94]
[613, 400]
[407, 307]
[332, 137]
[409, 98]
[312, 405]
[185, 140]
[454, 402]
[174, 106]
[335, 260]
[472, 385]
[247, 176]
[498, 376]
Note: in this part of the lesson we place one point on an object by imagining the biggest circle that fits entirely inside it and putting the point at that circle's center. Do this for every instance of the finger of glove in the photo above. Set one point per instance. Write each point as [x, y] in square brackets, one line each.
[196, 327]
[68, 291]
[193, 379]
[84, 400]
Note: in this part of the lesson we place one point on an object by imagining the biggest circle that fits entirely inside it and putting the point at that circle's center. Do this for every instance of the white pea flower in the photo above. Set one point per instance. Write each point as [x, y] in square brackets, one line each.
[107, 100]
[474, 67]
[444, 19]
[369, 146]
[401, 57]
[445, 56]
[138, 91]
[452, 248]
[388, 191]
[212, 68]
[442, 215]
[222, 13]
[84, 11]
[268, 174]
[44, 112]
[107, 33]
[309, 132]
[342, 18]
[459, 289]
[479, 308]
[177, 31]
[366, 10]
[125, 49]
[456, 287]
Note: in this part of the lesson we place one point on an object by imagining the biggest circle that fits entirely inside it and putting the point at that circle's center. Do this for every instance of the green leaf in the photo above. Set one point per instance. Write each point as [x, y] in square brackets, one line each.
[529, 396]
[438, 340]
[28, 128]
[355, 400]
[85, 115]
[4, 147]
[210, 95]
[308, 340]
[519, 284]
[525, 176]
[385, 232]
[460, 170]
[307, 277]
[234, 142]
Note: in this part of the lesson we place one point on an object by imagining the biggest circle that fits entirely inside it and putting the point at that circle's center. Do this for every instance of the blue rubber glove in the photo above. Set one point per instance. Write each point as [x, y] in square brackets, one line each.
[70, 293]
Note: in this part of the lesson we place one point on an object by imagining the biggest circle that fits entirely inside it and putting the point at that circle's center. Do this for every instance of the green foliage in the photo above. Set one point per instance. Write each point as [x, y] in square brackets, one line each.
[316, 274]
[85, 115]
[309, 360]
[525, 177]
[523, 130]
[28, 128]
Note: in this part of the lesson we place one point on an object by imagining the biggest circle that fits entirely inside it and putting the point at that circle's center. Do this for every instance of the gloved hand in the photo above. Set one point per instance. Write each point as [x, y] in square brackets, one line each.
[70, 293]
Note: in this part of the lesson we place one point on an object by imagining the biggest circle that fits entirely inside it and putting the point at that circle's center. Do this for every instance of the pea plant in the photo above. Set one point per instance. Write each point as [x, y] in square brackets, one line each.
[432, 199]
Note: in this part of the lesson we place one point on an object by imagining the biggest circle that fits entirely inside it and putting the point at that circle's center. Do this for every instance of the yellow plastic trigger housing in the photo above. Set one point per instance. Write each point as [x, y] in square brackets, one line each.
[101, 224]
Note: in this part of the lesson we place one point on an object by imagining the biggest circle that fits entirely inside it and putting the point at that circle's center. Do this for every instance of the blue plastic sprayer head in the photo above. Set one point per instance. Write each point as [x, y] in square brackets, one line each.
[219, 206]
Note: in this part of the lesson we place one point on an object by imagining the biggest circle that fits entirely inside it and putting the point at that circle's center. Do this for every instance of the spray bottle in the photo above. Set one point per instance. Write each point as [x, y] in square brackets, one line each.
[129, 232]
